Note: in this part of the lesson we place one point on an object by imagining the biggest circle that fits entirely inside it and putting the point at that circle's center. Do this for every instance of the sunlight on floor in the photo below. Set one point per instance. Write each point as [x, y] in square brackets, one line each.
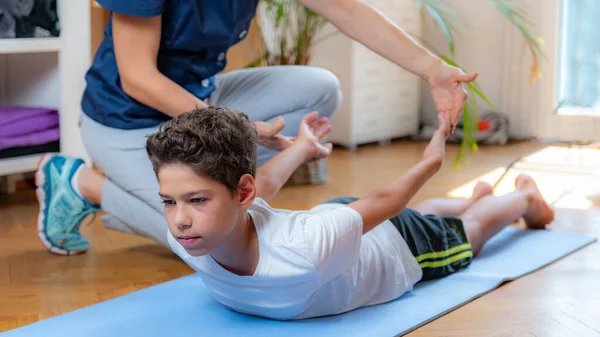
[564, 175]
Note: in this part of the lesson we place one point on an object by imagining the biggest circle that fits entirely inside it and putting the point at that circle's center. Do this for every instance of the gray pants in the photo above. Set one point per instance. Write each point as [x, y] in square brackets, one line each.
[130, 194]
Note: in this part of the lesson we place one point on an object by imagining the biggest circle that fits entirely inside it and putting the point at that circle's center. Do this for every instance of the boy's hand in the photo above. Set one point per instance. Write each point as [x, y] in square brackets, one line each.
[437, 145]
[271, 176]
[312, 129]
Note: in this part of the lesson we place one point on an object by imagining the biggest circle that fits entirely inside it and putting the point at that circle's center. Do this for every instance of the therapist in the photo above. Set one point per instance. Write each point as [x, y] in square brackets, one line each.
[160, 58]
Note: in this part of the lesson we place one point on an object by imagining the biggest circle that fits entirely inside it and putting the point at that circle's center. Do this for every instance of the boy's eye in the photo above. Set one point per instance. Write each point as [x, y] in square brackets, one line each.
[198, 201]
[168, 202]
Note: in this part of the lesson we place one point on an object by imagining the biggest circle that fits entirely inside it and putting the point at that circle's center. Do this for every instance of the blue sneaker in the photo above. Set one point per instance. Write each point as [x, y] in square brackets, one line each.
[61, 209]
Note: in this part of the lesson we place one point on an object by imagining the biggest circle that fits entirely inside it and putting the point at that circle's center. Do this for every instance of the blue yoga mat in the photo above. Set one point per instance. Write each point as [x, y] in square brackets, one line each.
[183, 307]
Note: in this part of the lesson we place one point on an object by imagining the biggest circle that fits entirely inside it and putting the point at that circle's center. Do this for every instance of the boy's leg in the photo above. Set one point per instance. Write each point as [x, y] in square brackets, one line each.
[491, 214]
[454, 207]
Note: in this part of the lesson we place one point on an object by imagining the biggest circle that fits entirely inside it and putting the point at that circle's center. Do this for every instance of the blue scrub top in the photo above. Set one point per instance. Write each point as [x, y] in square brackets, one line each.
[195, 37]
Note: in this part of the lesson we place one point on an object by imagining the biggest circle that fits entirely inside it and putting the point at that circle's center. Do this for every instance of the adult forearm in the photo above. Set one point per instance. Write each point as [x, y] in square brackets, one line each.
[367, 25]
[161, 93]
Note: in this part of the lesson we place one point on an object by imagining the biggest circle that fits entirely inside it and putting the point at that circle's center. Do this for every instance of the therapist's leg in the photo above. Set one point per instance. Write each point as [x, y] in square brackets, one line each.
[130, 194]
[268, 92]
[68, 191]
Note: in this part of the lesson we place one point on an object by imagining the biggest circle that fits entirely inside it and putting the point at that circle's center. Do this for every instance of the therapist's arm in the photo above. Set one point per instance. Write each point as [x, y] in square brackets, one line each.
[365, 24]
[136, 42]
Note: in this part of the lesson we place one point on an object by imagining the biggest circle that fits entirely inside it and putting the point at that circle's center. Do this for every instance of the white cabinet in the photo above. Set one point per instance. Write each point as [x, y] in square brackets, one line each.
[381, 100]
[49, 72]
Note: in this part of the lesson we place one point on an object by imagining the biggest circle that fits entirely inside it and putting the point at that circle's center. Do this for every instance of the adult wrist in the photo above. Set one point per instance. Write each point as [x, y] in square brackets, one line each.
[432, 68]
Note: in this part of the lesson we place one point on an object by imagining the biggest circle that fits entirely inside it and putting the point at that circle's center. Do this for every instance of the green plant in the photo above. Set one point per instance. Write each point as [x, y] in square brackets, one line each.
[288, 31]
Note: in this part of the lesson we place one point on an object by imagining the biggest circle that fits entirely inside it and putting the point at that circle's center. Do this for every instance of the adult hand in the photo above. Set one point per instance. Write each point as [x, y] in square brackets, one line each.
[269, 136]
[447, 89]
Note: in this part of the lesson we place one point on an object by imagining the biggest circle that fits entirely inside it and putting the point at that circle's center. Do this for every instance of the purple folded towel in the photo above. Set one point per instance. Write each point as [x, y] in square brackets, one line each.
[36, 138]
[25, 121]
[29, 125]
[14, 113]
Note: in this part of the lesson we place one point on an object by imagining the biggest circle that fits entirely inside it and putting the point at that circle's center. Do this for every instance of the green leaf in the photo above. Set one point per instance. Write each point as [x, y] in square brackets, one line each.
[279, 13]
[255, 63]
[310, 13]
[443, 16]
[519, 19]
[419, 5]
[470, 129]
[477, 91]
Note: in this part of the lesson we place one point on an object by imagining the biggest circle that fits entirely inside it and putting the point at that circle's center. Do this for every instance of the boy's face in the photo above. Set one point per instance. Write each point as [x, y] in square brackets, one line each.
[201, 212]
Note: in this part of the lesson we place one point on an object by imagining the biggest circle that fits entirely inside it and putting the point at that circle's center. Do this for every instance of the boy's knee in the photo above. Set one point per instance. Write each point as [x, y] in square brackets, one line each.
[473, 230]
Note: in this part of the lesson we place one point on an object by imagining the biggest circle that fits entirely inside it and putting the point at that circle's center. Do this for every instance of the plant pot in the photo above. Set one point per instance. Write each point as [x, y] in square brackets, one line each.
[314, 173]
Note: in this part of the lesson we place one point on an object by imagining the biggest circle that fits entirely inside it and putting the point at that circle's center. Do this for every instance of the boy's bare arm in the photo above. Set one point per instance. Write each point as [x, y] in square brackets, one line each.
[275, 173]
[389, 200]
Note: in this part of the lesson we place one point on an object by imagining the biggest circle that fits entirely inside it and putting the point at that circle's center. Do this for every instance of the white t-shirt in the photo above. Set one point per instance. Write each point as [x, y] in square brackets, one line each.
[312, 263]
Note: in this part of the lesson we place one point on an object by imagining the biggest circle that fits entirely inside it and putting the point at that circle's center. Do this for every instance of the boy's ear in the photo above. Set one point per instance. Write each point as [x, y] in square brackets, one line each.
[247, 190]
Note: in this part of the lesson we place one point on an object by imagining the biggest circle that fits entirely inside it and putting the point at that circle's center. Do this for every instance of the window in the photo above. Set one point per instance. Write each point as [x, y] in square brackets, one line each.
[578, 85]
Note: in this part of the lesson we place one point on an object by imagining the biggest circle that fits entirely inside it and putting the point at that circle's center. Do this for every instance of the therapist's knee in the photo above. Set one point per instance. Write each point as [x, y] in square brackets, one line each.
[327, 90]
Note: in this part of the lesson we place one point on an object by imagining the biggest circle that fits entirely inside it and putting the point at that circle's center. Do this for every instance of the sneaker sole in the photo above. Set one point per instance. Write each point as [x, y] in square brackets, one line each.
[40, 182]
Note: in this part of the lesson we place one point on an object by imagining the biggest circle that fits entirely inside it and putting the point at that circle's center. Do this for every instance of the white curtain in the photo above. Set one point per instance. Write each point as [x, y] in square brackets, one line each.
[579, 54]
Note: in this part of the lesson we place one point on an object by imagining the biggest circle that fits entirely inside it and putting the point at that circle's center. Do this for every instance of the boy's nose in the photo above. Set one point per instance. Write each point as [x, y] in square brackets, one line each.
[182, 220]
[183, 226]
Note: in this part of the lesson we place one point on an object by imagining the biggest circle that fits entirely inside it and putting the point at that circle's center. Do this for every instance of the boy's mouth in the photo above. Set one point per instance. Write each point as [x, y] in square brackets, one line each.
[187, 240]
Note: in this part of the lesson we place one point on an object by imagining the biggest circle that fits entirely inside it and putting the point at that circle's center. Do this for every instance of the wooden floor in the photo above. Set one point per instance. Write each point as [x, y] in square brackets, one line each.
[562, 299]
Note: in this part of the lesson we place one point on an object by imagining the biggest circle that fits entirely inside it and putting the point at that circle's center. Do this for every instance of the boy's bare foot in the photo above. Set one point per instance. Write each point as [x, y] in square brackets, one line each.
[481, 190]
[539, 213]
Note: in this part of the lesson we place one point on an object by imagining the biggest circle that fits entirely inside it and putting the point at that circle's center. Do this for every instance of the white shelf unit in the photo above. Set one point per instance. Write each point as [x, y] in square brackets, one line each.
[30, 45]
[19, 164]
[49, 72]
[381, 100]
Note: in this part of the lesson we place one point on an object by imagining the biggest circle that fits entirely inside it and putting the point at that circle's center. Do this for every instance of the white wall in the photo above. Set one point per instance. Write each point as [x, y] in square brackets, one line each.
[479, 46]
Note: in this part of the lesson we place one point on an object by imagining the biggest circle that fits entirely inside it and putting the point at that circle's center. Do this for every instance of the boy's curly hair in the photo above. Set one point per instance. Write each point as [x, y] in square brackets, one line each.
[215, 142]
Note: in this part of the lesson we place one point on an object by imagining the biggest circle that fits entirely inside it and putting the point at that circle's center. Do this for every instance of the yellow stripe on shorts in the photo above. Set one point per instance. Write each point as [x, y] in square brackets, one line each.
[445, 262]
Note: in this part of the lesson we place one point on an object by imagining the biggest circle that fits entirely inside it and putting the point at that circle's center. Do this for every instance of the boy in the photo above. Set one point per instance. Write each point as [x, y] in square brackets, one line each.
[339, 256]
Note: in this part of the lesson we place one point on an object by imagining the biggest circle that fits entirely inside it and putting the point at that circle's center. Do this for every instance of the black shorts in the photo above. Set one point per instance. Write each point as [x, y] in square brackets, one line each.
[438, 243]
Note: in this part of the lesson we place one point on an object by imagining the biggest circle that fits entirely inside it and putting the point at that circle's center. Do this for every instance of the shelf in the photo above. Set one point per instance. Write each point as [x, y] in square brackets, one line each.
[19, 164]
[29, 45]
